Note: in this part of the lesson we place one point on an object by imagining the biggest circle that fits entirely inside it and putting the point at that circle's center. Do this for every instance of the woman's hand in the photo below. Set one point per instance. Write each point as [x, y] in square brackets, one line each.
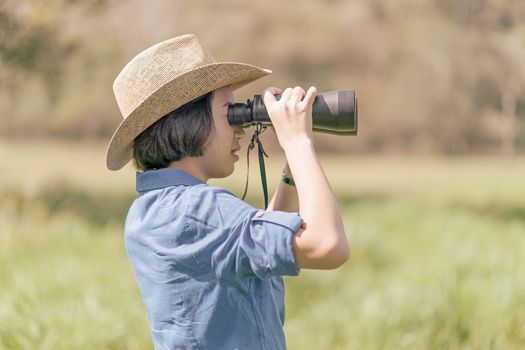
[291, 115]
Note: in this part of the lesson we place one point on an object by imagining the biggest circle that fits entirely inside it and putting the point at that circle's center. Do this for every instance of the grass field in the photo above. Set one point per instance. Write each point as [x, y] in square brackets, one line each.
[438, 249]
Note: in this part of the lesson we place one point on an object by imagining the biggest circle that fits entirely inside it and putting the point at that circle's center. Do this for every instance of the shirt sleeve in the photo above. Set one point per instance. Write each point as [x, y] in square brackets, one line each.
[237, 240]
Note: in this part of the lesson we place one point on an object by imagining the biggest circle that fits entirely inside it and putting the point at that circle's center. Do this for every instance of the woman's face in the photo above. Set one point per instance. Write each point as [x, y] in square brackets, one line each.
[218, 158]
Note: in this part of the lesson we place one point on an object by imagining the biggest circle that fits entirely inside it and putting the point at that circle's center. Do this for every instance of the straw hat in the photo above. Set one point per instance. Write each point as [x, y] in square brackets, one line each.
[162, 78]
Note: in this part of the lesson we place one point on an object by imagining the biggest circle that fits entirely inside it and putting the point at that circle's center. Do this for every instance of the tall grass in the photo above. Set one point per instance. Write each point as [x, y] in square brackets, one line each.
[437, 248]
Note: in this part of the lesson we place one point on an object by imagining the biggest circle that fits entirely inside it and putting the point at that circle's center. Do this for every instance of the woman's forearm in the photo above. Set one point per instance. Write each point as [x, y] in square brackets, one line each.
[324, 235]
[285, 196]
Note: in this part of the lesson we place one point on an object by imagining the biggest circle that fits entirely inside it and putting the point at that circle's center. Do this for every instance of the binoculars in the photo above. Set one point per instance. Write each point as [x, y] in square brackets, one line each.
[333, 112]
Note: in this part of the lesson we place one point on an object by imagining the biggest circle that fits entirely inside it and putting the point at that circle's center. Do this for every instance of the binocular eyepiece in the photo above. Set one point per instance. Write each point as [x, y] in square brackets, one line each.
[333, 112]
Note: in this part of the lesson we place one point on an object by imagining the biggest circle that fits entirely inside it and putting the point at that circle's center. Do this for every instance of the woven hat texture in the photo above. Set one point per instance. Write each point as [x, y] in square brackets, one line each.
[162, 78]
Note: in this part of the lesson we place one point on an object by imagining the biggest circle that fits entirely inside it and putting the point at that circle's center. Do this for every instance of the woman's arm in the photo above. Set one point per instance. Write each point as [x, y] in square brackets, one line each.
[321, 242]
[285, 196]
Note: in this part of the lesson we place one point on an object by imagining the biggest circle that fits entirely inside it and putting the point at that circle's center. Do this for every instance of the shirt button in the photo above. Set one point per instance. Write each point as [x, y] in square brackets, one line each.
[259, 213]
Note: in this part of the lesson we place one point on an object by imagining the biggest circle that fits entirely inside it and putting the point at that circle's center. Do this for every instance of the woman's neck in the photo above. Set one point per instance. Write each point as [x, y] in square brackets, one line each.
[191, 166]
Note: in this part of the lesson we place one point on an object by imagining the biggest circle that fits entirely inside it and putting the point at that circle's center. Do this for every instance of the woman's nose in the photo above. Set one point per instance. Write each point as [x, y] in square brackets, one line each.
[239, 132]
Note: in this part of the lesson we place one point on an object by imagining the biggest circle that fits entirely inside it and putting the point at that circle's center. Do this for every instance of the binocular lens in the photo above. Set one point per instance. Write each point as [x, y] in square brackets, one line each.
[333, 112]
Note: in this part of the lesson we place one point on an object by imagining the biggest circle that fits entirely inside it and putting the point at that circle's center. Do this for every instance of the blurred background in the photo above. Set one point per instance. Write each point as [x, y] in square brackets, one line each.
[432, 187]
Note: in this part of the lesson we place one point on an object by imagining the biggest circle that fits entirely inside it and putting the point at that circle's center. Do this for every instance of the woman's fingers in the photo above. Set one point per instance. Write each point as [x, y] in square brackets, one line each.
[271, 92]
[268, 97]
[297, 94]
[286, 94]
[290, 96]
[309, 98]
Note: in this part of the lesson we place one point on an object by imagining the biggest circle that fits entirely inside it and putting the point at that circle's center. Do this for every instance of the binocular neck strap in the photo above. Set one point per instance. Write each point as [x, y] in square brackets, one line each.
[259, 129]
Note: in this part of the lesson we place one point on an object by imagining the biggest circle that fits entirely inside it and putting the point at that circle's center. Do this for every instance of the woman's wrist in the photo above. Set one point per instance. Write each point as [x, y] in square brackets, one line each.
[287, 172]
[287, 176]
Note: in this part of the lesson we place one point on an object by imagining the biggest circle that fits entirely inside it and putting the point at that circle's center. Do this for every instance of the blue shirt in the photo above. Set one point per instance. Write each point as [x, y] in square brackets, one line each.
[208, 264]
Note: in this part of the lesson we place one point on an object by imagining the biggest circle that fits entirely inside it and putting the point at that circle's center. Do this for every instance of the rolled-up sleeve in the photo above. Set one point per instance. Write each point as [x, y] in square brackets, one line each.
[240, 241]
[265, 246]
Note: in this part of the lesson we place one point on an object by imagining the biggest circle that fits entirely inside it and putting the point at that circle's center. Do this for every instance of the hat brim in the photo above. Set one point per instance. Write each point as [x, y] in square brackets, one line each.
[179, 91]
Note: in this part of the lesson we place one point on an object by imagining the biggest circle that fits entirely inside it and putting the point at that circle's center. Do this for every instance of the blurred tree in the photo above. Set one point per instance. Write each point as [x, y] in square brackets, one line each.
[500, 25]
[510, 85]
[431, 76]
[35, 49]
[30, 46]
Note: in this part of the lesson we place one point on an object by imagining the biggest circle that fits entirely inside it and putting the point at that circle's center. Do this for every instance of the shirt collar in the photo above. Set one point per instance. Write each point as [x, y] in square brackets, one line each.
[165, 177]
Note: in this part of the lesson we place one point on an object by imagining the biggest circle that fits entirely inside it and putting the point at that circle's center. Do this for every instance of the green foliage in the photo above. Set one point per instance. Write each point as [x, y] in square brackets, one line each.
[33, 47]
[436, 254]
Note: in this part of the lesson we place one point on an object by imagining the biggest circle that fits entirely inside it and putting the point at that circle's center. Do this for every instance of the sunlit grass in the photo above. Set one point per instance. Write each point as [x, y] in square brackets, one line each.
[65, 282]
[421, 277]
[436, 263]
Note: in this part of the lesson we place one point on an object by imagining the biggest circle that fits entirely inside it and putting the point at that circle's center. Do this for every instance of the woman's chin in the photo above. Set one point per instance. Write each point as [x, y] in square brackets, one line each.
[226, 171]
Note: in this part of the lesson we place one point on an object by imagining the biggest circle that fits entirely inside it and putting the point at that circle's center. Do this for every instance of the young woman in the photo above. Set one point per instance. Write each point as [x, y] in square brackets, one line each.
[208, 264]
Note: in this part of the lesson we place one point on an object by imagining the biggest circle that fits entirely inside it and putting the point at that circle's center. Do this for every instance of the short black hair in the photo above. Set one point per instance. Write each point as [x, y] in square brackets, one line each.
[180, 133]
